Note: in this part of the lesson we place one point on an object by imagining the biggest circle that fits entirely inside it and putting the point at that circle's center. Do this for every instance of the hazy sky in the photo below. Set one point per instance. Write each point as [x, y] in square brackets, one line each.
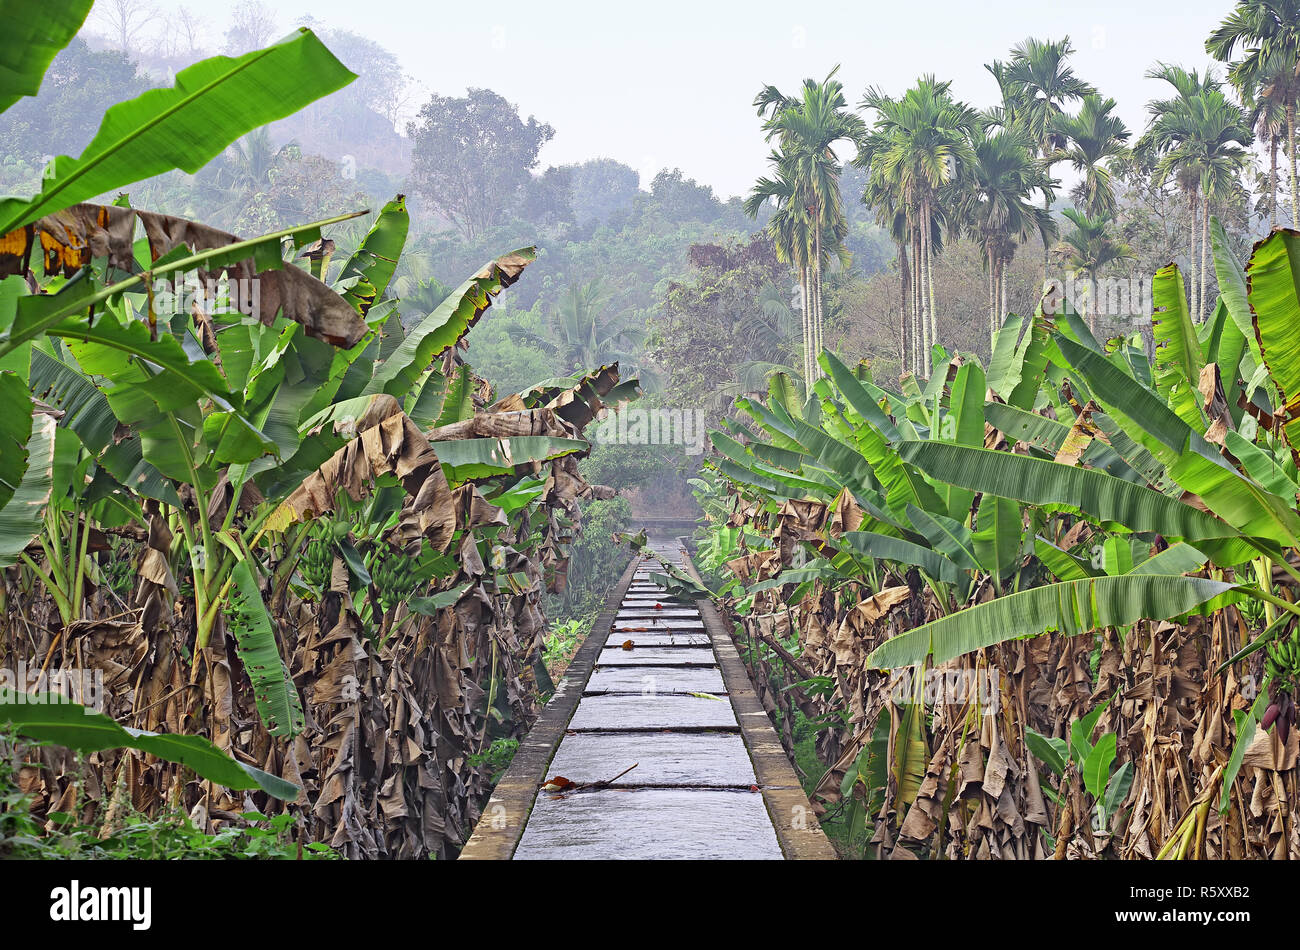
[670, 83]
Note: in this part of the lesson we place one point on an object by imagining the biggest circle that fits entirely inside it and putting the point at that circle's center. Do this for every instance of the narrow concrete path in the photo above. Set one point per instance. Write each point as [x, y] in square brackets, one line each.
[660, 690]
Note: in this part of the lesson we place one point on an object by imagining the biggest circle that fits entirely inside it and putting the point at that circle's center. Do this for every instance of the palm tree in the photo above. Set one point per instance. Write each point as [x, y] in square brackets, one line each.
[1093, 137]
[1268, 119]
[1037, 84]
[995, 205]
[243, 172]
[577, 334]
[1268, 31]
[1198, 138]
[808, 129]
[915, 148]
[791, 234]
[1089, 247]
[887, 201]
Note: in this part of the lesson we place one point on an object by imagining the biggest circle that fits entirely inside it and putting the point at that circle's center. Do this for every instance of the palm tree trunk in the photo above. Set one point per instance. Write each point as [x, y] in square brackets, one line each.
[925, 297]
[1205, 239]
[929, 283]
[993, 295]
[1002, 289]
[1047, 207]
[1191, 255]
[1272, 182]
[819, 336]
[817, 299]
[1290, 135]
[804, 319]
[1090, 306]
[918, 314]
[820, 324]
[902, 312]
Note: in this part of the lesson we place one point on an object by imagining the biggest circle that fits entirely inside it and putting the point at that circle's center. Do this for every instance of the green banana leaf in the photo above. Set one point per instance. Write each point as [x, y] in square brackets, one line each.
[1094, 494]
[949, 537]
[55, 379]
[964, 425]
[1019, 425]
[1068, 607]
[858, 396]
[1004, 367]
[1235, 296]
[212, 104]
[15, 430]
[1274, 281]
[276, 695]
[999, 530]
[467, 459]
[22, 513]
[458, 401]
[33, 35]
[47, 718]
[1062, 563]
[1179, 359]
[1196, 465]
[371, 268]
[449, 321]
[869, 544]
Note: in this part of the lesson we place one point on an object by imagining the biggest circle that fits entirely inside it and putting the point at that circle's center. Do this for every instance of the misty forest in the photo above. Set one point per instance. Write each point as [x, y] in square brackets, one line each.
[345, 444]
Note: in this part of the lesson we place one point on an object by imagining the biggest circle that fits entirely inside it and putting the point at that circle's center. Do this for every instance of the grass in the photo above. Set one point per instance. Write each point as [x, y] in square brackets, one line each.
[562, 640]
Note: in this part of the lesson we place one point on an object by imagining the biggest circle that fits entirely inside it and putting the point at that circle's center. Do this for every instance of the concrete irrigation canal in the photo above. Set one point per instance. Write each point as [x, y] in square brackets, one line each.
[658, 685]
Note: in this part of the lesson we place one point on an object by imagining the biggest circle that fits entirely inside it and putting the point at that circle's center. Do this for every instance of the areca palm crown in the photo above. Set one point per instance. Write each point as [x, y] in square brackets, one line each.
[995, 204]
[915, 148]
[790, 229]
[1093, 138]
[1198, 137]
[1267, 104]
[1037, 83]
[1267, 32]
[1087, 248]
[808, 128]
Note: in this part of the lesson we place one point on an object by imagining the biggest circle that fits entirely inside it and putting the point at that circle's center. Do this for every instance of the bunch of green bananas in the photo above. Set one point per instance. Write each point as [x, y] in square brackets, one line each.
[1284, 663]
[317, 562]
[394, 575]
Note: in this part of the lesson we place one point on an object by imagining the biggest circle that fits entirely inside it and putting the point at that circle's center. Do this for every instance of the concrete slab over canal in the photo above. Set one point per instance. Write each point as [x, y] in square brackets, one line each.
[711, 778]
